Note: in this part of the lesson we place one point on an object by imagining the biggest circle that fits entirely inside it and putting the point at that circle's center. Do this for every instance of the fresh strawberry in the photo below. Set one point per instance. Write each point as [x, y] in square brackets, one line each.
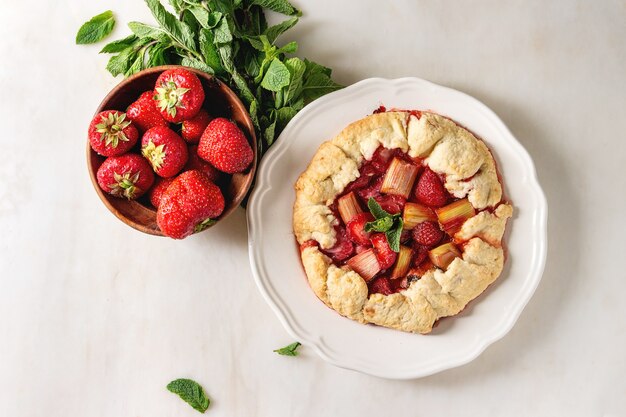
[430, 190]
[190, 204]
[356, 229]
[385, 255]
[195, 162]
[156, 192]
[392, 204]
[427, 234]
[128, 176]
[192, 129]
[111, 134]
[343, 247]
[166, 151]
[144, 113]
[179, 94]
[381, 285]
[225, 146]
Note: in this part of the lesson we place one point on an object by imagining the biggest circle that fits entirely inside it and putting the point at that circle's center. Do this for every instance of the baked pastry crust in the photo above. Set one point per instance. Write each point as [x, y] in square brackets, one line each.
[469, 170]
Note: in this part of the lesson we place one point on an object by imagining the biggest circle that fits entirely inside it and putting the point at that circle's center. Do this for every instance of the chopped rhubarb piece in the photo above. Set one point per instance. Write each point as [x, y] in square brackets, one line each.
[365, 264]
[381, 285]
[356, 229]
[348, 207]
[343, 247]
[386, 256]
[416, 213]
[399, 178]
[454, 215]
[403, 262]
[443, 255]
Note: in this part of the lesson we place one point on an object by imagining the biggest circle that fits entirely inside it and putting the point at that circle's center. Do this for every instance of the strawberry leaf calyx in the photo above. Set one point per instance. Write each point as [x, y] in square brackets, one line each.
[169, 96]
[155, 154]
[124, 185]
[205, 224]
[111, 129]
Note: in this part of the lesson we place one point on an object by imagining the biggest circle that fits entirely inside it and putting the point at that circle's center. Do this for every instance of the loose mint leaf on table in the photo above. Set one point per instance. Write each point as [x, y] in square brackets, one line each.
[191, 392]
[96, 29]
[289, 350]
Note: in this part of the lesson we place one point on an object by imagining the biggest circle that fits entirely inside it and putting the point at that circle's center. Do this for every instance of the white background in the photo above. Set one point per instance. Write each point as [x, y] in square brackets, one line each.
[96, 318]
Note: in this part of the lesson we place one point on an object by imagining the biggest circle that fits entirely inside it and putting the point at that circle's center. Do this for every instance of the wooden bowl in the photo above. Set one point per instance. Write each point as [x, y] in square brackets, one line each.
[220, 101]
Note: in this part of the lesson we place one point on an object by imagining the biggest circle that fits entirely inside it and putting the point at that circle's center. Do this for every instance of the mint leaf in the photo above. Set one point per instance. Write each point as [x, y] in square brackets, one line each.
[393, 235]
[290, 48]
[383, 224]
[289, 350]
[317, 85]
[191, 392]
[275, 31]
[296, 69]
[280, 6]
[118, 45]
[119, 64]
[145, 31]
[376, 210]
[197, 64]
[177, 30]
[201, 14]
[222, 32]
[209, 51]
[276, 77]
[96, 28]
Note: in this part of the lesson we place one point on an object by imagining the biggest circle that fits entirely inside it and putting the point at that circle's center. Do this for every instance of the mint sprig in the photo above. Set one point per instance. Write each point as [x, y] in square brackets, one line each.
[389, 224]
[232, 40]
[289, 350]
[191, 392]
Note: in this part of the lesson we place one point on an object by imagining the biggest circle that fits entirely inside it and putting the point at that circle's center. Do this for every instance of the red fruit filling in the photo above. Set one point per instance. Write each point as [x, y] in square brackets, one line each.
[430, 214]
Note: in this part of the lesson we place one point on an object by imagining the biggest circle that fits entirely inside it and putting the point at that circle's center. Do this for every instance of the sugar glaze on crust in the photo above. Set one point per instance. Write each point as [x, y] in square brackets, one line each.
[469, 170]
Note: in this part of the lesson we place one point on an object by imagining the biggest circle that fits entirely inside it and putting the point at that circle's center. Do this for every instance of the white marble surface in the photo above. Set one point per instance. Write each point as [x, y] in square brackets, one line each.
[95, 318]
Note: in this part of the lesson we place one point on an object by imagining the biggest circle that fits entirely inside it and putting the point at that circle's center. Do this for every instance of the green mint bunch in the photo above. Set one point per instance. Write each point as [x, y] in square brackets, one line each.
[232, 40]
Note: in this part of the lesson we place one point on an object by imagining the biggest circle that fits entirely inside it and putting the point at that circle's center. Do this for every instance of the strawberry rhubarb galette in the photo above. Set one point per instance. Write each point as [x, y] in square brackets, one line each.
[400, 220]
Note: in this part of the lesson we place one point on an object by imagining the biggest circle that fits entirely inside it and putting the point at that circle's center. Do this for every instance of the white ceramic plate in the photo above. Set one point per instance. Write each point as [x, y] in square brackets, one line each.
[275, 259]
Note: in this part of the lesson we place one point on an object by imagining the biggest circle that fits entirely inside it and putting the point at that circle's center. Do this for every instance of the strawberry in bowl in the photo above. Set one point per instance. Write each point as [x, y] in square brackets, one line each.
[168, 146]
